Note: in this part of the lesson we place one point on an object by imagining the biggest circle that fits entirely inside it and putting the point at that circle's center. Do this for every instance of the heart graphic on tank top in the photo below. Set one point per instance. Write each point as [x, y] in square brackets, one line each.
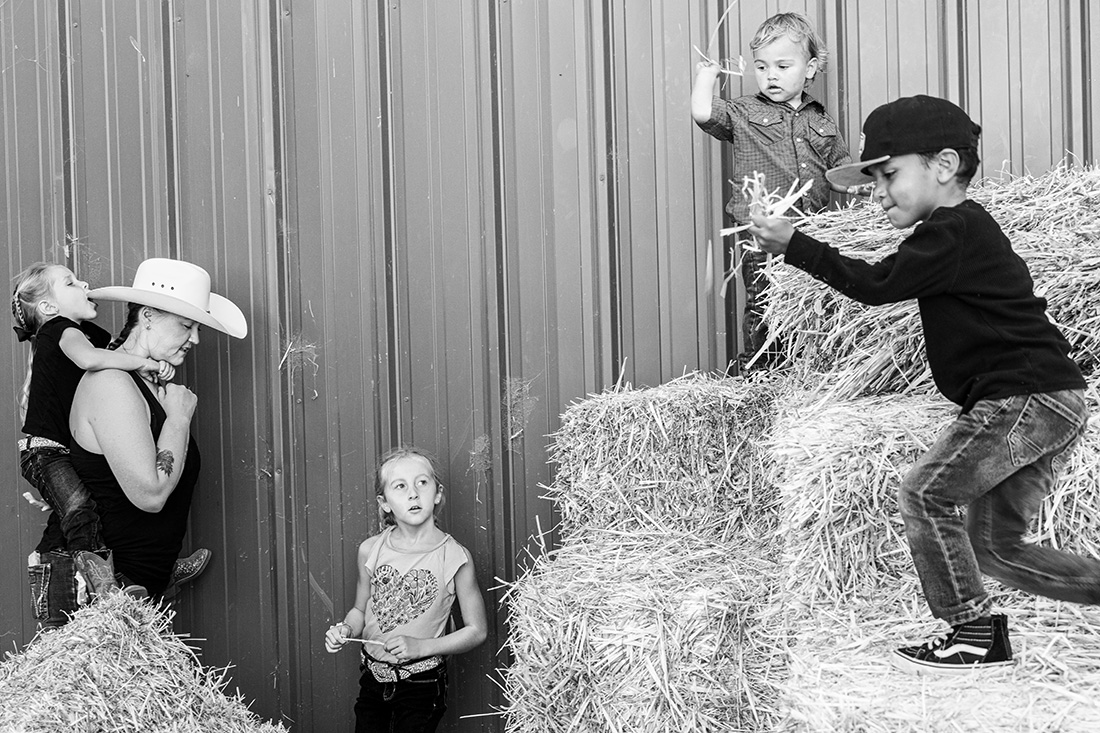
[398, 599]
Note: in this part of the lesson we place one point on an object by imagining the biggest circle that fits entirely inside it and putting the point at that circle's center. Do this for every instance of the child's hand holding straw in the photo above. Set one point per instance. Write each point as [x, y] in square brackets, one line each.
[726, 67]
[771, 233]
[769, 206]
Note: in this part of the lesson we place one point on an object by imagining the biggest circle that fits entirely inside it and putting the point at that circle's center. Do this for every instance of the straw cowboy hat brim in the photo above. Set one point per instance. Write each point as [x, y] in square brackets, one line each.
[178, 287]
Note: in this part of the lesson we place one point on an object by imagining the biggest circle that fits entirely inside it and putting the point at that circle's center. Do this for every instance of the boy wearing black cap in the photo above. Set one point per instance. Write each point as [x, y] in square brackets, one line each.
[991, 349]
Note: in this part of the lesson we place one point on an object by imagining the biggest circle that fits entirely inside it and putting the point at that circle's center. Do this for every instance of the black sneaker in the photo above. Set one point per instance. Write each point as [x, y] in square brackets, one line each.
[968, 647]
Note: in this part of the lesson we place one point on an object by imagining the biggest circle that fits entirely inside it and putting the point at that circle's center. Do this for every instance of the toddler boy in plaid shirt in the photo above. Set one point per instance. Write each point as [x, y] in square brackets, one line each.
[781, 131]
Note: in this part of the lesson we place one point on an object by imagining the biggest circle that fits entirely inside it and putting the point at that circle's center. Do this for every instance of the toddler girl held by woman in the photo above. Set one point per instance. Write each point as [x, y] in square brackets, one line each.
[51, 309]
[409, 576]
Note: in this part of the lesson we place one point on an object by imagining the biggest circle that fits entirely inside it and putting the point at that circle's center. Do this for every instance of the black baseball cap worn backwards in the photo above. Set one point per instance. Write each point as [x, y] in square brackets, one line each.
[919, 124]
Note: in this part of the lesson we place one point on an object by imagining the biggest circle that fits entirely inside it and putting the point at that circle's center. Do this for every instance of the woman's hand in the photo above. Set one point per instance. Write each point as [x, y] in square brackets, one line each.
[178, 401]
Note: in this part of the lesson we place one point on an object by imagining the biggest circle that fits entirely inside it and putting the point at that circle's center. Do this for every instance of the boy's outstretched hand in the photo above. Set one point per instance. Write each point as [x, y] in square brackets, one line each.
[772, 235]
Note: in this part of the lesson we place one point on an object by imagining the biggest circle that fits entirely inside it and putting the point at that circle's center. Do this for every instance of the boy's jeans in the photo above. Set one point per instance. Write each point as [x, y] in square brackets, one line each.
[51, 472]
[996, 460]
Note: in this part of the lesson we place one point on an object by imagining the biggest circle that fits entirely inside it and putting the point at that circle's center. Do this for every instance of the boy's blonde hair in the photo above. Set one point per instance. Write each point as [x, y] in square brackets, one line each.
[796, 27]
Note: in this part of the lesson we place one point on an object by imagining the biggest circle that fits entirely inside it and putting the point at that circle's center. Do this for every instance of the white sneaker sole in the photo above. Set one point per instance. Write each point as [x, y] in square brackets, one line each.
[916, 666]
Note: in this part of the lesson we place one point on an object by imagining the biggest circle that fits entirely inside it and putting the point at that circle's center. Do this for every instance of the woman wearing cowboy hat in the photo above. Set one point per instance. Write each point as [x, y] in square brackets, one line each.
[131, 434]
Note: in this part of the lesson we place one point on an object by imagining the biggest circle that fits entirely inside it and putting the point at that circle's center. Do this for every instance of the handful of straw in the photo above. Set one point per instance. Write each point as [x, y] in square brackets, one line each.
[725, 67]
[771, 203]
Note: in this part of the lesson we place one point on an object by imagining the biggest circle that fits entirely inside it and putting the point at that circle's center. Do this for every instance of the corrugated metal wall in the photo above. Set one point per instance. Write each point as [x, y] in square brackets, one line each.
[445, 221]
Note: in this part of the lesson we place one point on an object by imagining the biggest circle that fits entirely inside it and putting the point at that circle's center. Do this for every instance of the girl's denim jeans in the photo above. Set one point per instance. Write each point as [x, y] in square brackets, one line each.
[996, 461]
[413, 705]
[51, 472]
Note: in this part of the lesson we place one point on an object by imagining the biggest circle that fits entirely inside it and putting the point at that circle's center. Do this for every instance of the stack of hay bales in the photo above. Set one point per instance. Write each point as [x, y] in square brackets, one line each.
[732, 558]
[117, 667]
[643, 619]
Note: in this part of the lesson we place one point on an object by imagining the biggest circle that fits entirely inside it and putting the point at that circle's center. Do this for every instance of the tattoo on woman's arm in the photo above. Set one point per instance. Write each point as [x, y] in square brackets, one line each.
[165, 461]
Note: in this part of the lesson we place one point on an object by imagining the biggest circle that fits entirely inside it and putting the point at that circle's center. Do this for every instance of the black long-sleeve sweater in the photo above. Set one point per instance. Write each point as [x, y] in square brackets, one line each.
[986, 333]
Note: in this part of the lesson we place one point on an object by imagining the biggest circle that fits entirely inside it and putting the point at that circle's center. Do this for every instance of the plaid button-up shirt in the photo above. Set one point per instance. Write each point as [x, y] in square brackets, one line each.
[779, 141]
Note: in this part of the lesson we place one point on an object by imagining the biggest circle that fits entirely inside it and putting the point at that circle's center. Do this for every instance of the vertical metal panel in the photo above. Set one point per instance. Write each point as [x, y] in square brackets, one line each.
[120, 204]
[1021, 68]
[222, 160]
[333, 338]
[32, 227]
[661, 255]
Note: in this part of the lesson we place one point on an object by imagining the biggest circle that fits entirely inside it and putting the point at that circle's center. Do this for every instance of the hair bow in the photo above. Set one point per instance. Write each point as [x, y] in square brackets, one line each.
[22, 333]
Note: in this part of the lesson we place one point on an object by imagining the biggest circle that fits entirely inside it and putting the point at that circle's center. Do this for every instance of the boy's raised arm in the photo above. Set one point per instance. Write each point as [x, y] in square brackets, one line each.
[702, 92]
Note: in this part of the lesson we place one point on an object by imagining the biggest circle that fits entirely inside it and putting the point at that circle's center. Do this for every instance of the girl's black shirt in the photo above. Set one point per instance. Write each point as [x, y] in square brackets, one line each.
[54, 378]
[986, 333]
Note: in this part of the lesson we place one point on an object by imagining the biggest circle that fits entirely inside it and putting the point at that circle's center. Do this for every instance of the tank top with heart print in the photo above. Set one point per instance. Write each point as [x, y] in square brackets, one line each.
[411, 592]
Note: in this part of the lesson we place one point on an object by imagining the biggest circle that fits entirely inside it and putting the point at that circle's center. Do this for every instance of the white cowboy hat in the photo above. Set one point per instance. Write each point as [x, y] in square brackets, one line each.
[182, 288]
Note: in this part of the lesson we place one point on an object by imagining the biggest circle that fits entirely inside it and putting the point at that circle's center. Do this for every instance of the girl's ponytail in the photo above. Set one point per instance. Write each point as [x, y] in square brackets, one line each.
[33, 285]
[21, 328]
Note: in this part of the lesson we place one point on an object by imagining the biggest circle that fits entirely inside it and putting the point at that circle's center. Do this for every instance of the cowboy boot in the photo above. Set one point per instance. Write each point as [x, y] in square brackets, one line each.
[99, 573]
[187, 569]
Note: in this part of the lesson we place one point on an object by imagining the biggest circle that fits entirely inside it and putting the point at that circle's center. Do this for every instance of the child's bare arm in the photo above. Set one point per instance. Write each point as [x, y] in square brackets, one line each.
[355, 619]
[702, 92]
[81, 352]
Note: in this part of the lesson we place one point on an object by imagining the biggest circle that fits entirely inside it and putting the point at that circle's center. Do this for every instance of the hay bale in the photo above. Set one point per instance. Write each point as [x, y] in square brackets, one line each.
[838, 466]
[850, 594]
[845, 349]
[627, 456]
[626, 632]
[118, 668]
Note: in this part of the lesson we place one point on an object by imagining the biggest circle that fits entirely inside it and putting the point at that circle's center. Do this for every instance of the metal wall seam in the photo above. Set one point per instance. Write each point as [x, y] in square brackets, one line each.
[268, 119]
